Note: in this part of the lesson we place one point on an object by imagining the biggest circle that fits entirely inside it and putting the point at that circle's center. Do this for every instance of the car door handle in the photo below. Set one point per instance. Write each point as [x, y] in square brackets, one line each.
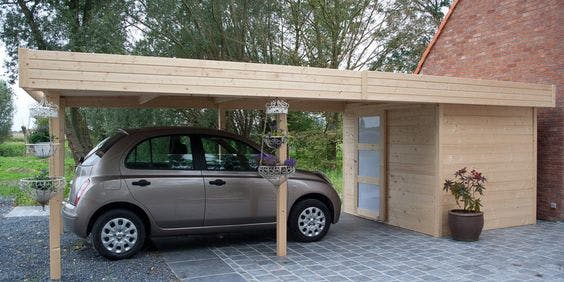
[218, 182]
[141, 182]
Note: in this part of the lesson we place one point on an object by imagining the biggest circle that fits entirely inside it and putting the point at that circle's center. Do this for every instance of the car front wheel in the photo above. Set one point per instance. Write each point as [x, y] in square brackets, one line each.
[309, 220]
[118, 234]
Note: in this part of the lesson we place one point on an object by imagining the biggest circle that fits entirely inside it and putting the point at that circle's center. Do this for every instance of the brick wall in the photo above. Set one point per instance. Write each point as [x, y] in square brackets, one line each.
[516, 40]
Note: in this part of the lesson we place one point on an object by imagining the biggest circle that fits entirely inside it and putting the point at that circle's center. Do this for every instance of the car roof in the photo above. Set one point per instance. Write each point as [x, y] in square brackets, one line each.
[151, 131]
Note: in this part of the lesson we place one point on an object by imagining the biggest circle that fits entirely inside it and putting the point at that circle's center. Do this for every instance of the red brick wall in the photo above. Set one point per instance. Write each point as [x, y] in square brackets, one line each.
[516, 40]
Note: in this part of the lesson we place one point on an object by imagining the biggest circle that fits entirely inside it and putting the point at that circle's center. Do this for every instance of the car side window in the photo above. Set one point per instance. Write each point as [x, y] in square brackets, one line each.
[163, 152]
[226, 154]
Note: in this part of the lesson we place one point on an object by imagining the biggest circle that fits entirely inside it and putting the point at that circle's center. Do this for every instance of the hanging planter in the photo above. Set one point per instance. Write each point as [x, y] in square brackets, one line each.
[39, 143]
[269, 166]
[276, 174]
[272, 171]
[274, 141]
[275, 138]
[44, 109]
[277, 106]
[41, 150]
[42, 187]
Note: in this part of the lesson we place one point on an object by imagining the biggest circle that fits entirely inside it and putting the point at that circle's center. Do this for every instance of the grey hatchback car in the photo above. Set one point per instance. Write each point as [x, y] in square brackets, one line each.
[178, 181]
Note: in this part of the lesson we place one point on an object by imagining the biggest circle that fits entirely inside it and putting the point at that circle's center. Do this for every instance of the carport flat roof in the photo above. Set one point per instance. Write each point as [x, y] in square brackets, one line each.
[104, 80]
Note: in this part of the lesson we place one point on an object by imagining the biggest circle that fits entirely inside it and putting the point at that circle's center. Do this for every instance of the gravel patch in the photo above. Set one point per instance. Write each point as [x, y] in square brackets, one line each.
[6, 205]
[24, 255]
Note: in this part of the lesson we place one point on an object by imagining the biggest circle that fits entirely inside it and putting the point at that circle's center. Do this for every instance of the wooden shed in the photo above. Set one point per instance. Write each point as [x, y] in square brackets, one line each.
[404, 134]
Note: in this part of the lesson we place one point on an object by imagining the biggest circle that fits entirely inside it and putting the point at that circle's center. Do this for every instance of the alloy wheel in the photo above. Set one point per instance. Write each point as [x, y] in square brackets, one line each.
[119, 235]
[311, 221]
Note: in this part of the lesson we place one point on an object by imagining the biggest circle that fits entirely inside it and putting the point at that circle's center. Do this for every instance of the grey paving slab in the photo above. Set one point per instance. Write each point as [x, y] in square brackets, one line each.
[229, 277]
[200, 268]
[23, 211]
[361, 250]
[190, 255]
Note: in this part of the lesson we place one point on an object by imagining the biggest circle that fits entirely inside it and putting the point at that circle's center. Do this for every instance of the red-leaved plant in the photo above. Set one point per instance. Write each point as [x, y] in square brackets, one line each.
[464, 188]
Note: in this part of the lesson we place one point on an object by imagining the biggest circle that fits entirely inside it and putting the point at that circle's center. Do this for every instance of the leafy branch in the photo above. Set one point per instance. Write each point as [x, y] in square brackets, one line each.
[464, 188]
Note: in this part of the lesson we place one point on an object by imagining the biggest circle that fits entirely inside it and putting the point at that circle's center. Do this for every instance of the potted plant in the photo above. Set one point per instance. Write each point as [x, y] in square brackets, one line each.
[42, 186]
[273, 171]
[276, 137]
[39, 142]
[466, 222]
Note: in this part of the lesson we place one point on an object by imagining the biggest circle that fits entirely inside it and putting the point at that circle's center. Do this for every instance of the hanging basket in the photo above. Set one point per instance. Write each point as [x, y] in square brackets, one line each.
[277, 106]
[274, 142]
[43, 112]
[276, 174]
[41, 150]
[44, 109]
[42, 190]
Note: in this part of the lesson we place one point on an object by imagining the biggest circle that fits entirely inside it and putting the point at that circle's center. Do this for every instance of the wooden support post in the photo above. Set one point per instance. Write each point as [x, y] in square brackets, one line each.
[56, 168]
[282, 196]
[221, 118]
[221, 125]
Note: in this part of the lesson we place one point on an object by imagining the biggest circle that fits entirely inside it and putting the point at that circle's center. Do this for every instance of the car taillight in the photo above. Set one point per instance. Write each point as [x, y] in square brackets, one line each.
[81, 191]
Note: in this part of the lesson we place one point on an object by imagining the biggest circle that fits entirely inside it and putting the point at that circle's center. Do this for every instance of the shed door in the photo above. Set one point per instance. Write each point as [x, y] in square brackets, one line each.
[370, 177]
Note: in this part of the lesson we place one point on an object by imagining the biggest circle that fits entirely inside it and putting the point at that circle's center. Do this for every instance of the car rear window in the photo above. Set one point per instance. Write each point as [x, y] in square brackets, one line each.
[97, 152]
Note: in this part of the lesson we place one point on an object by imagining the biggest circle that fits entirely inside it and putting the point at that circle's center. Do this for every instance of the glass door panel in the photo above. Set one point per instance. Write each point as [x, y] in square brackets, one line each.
[369, 198]
[370, 166]
[369, 163]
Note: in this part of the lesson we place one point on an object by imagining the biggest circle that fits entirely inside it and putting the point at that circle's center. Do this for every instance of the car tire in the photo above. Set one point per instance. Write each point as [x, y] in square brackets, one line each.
[118, 234]
[309, 220]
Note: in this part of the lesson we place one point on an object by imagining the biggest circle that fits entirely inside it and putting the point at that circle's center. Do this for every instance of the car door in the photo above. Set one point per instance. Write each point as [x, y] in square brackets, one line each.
[235, 192]
[161, 175]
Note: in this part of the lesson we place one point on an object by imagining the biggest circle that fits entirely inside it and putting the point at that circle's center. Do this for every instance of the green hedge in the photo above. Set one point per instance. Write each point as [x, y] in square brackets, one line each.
[12, 149]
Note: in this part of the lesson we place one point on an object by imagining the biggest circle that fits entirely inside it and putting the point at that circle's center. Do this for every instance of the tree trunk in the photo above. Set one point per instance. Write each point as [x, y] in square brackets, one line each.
[332, 120]
[77, 134]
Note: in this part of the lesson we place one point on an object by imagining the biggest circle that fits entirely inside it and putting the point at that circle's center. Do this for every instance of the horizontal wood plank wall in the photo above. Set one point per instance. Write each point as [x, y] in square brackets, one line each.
[412, 168]
[498, 141]
[131, 75]
[85, 74]
[383, 86]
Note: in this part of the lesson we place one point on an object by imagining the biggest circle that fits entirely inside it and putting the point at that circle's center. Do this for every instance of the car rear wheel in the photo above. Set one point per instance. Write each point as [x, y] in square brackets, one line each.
[309, 220]
[118, 234]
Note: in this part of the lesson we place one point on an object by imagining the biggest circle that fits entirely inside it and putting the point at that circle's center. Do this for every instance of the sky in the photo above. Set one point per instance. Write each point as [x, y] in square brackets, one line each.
[22, 101]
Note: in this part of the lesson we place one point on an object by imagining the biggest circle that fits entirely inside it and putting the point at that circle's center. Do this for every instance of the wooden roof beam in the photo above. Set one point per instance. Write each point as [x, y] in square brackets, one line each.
[36, 95]
[145, 99]
[221, 100]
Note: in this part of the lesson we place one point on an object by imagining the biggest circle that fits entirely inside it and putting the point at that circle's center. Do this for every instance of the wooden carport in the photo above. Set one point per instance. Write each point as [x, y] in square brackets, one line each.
[428, 126]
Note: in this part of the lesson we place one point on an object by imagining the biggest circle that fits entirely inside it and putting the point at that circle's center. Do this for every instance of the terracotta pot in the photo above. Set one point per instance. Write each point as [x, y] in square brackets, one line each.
[465, 225]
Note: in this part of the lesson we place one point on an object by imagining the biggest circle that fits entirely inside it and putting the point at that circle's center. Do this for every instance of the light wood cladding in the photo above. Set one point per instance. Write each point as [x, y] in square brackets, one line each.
[412, 168]
[501, 143]
[87, 74]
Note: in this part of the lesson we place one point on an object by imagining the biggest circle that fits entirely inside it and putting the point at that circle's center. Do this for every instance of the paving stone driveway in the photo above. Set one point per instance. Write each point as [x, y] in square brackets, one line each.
[362, 250]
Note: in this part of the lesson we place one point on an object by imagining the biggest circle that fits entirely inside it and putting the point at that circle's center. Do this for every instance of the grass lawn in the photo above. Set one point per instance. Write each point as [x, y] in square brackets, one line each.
[19, 165]
[336, 177]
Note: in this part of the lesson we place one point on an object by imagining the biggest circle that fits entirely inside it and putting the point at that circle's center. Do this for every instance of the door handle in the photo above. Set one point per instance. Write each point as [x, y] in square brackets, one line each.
[141, 183]
[218, 182]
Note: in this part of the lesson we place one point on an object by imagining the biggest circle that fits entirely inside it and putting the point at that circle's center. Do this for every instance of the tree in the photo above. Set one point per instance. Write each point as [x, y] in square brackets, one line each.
[73, 25]
[345, 34]
[6, 111]
[410, 26]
